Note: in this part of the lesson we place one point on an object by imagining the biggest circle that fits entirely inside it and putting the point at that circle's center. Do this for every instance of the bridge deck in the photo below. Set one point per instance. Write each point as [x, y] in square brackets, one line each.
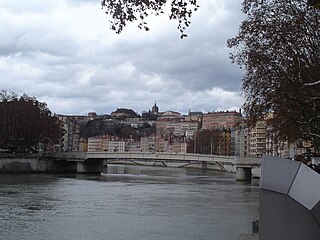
[156, 156]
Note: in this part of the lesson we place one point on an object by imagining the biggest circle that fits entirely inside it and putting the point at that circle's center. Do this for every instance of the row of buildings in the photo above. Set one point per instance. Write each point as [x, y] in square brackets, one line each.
[177, 133]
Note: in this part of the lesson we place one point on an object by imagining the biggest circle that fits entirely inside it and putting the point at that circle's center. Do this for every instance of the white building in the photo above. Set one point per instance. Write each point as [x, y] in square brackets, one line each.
[147, 144]
[117, 146]
[98, 144]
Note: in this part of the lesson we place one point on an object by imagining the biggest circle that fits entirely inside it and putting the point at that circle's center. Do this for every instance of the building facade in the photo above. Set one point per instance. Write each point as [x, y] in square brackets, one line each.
[258, 139]
[218, 120]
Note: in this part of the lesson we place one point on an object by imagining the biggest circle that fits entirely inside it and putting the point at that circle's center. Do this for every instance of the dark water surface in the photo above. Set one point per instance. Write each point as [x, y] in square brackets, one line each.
[127, 202]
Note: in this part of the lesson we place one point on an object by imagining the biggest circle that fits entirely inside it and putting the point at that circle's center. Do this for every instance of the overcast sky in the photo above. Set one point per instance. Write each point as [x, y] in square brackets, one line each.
[64, 53]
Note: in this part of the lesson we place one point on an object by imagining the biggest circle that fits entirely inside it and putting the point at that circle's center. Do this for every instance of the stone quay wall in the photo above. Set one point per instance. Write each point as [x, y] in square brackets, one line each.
[32, 163]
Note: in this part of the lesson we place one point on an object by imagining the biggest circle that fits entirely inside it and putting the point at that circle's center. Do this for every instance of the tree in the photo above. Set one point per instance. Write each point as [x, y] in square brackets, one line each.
[314, 3]
[205, 142]
[99, 127]
[278, 46]
[24, 122]
[124, 11]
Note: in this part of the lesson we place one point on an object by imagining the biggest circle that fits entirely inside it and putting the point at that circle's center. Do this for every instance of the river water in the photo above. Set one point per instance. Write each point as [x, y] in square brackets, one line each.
[127, 202]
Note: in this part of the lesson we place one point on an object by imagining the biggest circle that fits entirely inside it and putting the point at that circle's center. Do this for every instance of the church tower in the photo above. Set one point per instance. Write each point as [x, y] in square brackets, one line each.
[155, 109]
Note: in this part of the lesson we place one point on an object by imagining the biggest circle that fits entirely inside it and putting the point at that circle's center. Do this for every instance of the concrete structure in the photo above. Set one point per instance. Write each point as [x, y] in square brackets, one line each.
[91, 162]
[289, 200]
[239, 165]
[26, 163]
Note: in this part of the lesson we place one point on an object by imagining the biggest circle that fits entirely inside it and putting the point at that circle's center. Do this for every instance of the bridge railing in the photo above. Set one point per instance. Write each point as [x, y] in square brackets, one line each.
[163, 156]
[160, 156]
[239, 160]
[77, 156]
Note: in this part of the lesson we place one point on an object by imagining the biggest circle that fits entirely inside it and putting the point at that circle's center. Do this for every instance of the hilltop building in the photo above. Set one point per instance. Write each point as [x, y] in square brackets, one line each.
[122, 113]
[155, 109]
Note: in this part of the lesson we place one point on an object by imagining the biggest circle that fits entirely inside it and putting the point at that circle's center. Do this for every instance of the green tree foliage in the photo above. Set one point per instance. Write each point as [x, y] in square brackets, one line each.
[278, 46]
[24, 122]
[124, 11]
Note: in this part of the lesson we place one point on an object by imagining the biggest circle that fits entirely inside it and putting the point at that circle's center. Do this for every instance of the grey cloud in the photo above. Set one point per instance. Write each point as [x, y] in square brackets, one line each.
[78, 65]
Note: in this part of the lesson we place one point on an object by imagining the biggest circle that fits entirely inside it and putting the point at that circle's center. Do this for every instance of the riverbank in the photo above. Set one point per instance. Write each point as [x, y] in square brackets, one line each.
[32, 163]
[21, 164]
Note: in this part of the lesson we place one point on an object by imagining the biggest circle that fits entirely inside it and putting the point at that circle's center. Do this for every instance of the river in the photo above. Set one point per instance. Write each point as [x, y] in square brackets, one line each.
[127, 202]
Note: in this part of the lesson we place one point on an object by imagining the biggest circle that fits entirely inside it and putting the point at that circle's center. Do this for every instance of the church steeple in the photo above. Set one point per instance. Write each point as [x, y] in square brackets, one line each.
[155, 108]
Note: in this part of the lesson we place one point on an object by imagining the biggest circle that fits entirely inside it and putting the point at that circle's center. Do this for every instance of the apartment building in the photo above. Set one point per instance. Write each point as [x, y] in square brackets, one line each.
[161, 144]
[189, 127]
[133, 146]
[148, 144]
[240, 140]
[257, 136]
[194, 116]
[83, 144]
[137, 122]
[71, 137]
[169, 123]
[177, 146]
[225, 143]
[218, 120]
[98, 144]
[117, 146]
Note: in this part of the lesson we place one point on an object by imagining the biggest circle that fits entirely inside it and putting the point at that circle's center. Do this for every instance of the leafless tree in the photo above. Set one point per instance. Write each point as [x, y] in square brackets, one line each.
[124, 11]
[278, 45]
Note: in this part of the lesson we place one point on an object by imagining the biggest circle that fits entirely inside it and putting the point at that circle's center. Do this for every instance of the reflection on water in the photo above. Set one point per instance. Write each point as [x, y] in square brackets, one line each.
[127, 202]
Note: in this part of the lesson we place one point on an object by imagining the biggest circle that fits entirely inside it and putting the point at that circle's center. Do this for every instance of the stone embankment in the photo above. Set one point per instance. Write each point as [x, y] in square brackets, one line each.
[31, 163]
[20, 163]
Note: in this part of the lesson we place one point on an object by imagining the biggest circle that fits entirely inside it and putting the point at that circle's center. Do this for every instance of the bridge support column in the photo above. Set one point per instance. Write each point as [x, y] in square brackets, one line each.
[204, 165]
[61, 166]
[88, 168]
[243, 174]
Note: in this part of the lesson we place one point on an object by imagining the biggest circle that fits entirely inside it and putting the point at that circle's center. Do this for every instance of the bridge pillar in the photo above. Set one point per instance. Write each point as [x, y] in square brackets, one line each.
[243, 174]
[61, 166]
[83, 167]
[204, 165]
